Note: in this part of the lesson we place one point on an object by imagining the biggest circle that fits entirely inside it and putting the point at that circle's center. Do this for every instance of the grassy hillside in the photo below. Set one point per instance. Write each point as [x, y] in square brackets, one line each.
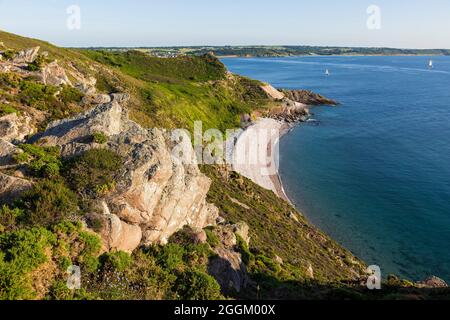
[169, 93]
[175, 92]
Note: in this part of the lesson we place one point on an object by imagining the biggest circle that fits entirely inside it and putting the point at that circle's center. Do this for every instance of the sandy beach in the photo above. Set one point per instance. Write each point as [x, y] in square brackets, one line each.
[256, 154]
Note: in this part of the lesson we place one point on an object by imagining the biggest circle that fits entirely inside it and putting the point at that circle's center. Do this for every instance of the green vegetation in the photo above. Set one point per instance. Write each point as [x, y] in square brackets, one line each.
[173, 93]
[38, 63]
[143, 67]
[47, 203]
[40, 161]
[93, 173]
[100, 137]
[7, 109]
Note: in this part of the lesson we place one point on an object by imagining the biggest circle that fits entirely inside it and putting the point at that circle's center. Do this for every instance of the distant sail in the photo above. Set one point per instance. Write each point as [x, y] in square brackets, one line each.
[430, 64]
[327, 72]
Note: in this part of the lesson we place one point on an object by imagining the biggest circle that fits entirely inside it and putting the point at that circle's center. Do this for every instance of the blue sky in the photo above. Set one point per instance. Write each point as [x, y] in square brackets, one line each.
[405, 24]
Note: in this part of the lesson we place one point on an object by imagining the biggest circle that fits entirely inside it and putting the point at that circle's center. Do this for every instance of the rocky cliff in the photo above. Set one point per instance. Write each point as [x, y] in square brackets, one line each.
[156, 194]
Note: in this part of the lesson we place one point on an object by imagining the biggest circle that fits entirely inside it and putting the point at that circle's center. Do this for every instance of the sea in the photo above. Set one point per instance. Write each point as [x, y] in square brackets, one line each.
[374, 172]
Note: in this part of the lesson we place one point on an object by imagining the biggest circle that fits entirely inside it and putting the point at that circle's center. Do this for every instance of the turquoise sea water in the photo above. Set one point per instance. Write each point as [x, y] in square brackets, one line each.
[375, 173]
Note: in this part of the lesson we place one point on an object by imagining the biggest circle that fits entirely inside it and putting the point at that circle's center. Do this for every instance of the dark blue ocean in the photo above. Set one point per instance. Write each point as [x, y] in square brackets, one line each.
[375, 173]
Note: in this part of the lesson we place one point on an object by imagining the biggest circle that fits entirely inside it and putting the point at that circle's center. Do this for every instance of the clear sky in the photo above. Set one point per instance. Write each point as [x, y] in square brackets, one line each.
[404, 23]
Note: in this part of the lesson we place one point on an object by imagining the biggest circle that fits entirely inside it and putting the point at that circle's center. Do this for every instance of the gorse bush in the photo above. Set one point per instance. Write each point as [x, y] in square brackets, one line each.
[70, 95]
[49, 202]
[41, 161]
[21, 252]
[197, 285]
[9, 218]
[100, 138]
[9, 79]
[37, 95]
[7, 109]
[93, 173]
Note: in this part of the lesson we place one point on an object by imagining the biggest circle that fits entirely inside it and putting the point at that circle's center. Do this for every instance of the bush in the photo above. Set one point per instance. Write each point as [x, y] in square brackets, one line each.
[48, 203]
[9, 218]
[38, 63]
[100, 138]
[119, 261]
[93, 173]
[197, 285]
[9, 54]
[37, 95]
[20, 253]
[7, 109]
[9, 79]
[41, 161]
[70, 95]
[170, 256]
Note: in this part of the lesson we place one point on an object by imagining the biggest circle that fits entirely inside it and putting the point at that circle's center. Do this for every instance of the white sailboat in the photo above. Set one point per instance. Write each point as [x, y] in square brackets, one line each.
[327, 72]
[430, 64]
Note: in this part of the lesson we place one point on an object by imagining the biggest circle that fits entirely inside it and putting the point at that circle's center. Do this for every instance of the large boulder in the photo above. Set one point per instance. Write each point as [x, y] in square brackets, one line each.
[7, 152]
[12, 187]
[26, 56]
[155, 191]
[15, 128]
[53, 74]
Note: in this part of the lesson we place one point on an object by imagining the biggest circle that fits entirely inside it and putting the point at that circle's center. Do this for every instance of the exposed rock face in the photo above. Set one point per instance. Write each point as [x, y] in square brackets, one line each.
[11, 187]
[7, 151]
[96, 99]
[241, 229]
[272, 92]
[53, 74]
[228, 267]
[116, 234]
[156, 195]
[14, 128]
[308, 97]
[432, 283]
[26, 56]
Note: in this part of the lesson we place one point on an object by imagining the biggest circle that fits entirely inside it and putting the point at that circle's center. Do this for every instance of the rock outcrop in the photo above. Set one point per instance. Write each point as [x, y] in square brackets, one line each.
[432, 283]
[26, 56]
[228, 267]
[12, 187]
[272, 92]
[14, 128]
[53, 74]
[308, 97]
[7, 152]
[156, 194]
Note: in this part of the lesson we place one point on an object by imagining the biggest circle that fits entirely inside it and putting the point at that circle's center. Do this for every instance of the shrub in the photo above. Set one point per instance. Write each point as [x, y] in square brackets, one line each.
[9, 79]
[197, 285]
[9, 218]
[38, 63]
[9, 54]
[48, 203]
[70, 95]
[20, 253]
[170, 256]
[41, 161]
[37, 95]
[100, 138]
[7, 109]
[93, 173]
[119, 261]
[212, 238]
